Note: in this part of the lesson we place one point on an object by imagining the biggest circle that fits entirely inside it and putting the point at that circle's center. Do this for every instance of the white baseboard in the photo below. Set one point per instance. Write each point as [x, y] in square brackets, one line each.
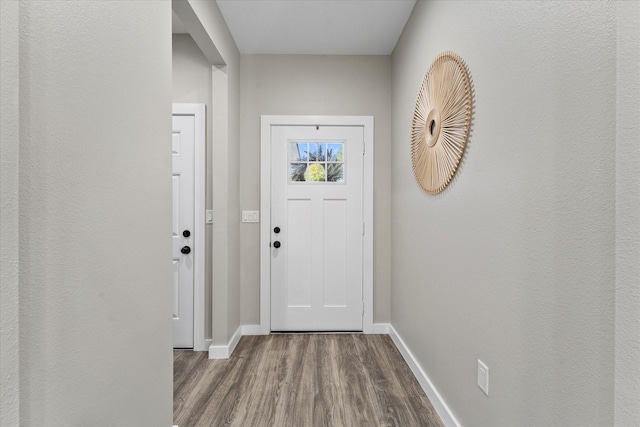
[204, 346]
[225, 351]
[380, 328]
[440, 406]
[253, 330]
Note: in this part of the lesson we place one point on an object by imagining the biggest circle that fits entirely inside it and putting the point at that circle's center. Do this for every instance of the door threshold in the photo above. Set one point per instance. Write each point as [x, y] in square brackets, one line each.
[316, 332]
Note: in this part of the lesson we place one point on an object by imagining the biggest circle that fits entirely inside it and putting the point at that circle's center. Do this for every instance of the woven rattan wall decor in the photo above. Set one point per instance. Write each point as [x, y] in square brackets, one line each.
[441, 121]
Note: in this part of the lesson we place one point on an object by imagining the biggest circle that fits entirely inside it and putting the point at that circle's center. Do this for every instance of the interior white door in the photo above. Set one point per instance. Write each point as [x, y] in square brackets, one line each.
[183, 142]
[316, 228]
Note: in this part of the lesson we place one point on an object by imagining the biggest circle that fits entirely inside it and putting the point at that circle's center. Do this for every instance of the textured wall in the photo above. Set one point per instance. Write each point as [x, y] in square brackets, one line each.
[95, 213]
[627, 388]
[192, 84]
[312, 85]
[515, 263]
[9, 243]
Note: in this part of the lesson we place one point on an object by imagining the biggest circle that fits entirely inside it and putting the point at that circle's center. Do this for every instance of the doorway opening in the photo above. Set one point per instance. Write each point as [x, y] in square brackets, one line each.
[188, 225]
[316, 270]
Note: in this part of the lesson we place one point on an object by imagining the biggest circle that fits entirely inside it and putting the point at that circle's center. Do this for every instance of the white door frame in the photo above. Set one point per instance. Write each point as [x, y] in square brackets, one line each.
[366, 122]
[199, 112]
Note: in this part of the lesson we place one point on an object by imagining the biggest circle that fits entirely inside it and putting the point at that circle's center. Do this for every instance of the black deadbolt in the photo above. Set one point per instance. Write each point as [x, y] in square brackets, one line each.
[185, 250]
[186, 233]
[276, 230]
[276, 244]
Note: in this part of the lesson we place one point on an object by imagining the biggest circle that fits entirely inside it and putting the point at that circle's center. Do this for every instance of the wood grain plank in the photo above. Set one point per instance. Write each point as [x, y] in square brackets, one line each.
[329, 403]
[223, 408]
[301, 380]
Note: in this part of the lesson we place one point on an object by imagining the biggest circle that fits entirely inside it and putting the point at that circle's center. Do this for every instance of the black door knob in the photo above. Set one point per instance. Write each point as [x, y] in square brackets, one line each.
[186, 233]
[276, 230]
[276, 244]
[185, 250]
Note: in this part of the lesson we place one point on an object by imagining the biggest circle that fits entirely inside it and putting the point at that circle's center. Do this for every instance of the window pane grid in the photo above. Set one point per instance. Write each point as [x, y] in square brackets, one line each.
[316, 162]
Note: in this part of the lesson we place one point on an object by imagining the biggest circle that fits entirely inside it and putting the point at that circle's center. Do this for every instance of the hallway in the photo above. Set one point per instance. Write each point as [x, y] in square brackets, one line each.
[301, 380]
[527, 264]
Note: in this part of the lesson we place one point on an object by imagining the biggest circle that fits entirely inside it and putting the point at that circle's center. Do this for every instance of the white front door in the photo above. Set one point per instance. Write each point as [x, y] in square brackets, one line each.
[316, 228]
[183, 141]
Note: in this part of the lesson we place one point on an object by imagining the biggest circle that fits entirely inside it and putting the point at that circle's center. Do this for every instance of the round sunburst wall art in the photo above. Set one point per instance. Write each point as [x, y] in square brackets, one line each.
[441, 121]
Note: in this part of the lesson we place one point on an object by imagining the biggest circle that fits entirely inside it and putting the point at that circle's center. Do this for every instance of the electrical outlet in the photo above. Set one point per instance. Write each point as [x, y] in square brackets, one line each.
[483, 377]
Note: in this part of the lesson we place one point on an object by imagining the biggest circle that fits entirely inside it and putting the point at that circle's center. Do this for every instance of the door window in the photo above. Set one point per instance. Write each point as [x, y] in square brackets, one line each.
[316, 162]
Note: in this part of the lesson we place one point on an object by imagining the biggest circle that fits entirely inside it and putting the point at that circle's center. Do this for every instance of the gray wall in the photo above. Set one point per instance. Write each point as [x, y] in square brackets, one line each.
[95, 213]
[313, 85]
[192, 84]
[627, 377]
[9, 224]
[515, 263]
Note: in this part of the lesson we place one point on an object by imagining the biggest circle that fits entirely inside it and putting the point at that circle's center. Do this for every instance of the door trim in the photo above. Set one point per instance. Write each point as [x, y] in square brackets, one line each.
[199, 112]
[366, 122]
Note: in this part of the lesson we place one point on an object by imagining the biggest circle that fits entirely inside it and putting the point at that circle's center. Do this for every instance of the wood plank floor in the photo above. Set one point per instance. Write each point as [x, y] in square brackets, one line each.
[300, 380]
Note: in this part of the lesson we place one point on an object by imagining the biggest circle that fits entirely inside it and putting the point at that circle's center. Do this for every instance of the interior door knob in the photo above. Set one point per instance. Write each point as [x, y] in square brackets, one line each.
[185, 250]
[276, 244]
[186, 233]
[276, 230]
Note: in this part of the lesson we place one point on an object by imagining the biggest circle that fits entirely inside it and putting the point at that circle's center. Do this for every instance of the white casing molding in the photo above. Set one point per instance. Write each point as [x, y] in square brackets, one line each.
[198, 111]
[265, 208]
[438, 403]
[225, 351]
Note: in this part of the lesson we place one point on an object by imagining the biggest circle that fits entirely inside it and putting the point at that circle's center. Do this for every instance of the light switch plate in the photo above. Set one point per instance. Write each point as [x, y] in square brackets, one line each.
[209, 215]
[483, 377]
[250, 216]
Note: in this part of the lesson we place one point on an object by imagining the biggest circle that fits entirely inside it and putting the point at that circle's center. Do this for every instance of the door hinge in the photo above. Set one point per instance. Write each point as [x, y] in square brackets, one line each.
[364, 148]
[363, 309]
[363, 228]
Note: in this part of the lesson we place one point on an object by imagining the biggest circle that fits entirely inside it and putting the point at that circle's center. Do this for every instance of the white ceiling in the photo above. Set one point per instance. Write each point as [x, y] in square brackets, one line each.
[321, 27]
